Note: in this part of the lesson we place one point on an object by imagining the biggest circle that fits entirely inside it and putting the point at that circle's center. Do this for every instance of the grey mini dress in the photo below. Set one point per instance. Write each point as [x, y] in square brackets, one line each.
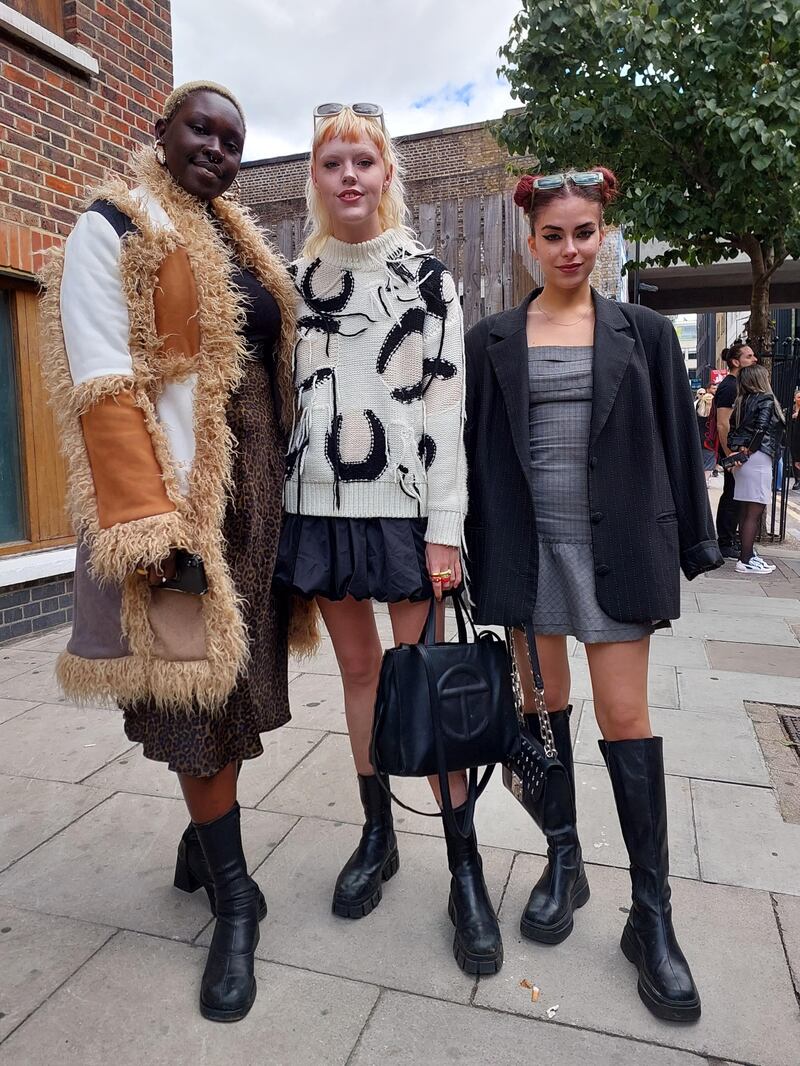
[560, 416]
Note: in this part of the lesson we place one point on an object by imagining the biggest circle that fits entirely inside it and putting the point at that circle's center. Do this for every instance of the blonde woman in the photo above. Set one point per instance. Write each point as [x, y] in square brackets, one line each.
[757, 434]
[703, 403]
[376, 484]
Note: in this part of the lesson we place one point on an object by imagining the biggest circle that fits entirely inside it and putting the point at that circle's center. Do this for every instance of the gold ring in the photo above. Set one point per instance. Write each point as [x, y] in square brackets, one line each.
[442, 573]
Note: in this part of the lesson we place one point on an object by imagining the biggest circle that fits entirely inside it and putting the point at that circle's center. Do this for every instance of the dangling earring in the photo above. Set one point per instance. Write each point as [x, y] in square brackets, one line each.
[160, 154]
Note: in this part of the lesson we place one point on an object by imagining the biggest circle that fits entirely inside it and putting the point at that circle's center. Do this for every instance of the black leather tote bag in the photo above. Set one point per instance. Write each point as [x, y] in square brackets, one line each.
[443, 707]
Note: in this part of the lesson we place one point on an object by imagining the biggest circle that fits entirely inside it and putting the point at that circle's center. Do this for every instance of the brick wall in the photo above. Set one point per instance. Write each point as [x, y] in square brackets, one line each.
[453, 163]
[35, 606]
[62, 130]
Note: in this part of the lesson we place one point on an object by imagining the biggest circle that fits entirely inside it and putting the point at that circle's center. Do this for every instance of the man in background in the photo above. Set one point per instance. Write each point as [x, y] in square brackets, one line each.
[737, 356]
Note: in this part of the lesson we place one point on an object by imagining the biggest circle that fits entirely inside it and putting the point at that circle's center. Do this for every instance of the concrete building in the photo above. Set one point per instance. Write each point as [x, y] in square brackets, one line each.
[79, 83]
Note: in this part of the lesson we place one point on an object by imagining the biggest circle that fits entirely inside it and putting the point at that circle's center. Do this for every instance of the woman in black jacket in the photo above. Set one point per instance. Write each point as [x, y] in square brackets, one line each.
[566, 382]
[757, 434]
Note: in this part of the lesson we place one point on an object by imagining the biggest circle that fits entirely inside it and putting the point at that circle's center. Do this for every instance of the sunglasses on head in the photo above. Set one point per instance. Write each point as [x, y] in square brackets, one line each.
[322, 111]
[580, 177]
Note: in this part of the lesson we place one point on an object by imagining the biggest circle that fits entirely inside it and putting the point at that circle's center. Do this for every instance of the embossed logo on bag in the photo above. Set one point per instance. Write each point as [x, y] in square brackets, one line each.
[465, 686]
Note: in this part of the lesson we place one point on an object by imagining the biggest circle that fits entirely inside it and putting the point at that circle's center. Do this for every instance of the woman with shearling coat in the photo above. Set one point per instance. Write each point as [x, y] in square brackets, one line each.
[171, 326]
[586, 499]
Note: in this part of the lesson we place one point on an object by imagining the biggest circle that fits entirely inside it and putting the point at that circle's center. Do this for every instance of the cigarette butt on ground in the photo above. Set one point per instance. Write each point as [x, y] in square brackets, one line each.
[525, 983]
[535, 993]
[551, 1011]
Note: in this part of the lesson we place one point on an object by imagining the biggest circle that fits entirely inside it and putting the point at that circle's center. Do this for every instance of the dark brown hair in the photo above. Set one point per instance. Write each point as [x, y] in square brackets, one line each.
[729, 354]
[534, 201]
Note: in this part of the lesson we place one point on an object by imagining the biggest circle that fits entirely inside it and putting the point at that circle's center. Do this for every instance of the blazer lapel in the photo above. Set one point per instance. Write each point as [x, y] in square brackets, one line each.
[509, 358]
[613, 345]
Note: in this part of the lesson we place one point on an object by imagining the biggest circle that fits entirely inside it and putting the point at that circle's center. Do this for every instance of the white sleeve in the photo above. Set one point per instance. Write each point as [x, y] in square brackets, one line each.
[94, 315]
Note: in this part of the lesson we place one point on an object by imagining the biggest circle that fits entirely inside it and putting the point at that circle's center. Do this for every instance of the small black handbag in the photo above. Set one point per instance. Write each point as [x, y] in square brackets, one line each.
[443, 707]
[534, 774]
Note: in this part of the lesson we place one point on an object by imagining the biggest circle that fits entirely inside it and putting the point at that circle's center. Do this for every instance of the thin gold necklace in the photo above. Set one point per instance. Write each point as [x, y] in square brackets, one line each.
[537, 305]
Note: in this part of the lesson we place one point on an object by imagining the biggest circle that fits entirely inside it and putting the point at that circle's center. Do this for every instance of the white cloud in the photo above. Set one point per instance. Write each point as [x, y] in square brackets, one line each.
[430, 63]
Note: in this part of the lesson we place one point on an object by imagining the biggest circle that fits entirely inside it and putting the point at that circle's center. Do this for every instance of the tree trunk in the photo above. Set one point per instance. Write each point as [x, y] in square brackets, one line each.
[759, 330]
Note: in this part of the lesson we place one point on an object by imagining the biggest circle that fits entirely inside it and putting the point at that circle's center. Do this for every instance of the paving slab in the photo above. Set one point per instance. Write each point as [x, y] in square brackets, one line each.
[408, 1030]
[325, 785]
[725, 690]
[749, 1009]
[317, 702]
[11, 708]
[734, 627]
[34, 683]
[760, 658]
[39, 953]
[743, 840]
[54, 640]
[406, 943]
[31, 811]
[115, 865]
[750, 605]
[283, 750]
[136, 1002]
[20, 653]
[732, 584]
[61, 742]
[720, 747]
[787, 912]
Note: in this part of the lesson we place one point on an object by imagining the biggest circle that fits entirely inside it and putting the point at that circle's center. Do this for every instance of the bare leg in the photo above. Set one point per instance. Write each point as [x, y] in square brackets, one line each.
[208, 798]
[407, 621]
[619, 685]
[352, 629]
[554, 663]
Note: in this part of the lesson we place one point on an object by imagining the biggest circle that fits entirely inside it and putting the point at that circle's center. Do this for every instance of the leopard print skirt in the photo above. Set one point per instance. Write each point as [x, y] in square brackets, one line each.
[201, 744]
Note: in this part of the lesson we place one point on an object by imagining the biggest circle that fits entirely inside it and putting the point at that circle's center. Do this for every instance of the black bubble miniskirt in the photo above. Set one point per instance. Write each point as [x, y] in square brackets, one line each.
[367, 558]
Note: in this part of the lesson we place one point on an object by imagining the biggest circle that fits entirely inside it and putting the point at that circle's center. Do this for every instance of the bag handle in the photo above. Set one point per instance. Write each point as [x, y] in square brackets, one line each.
[545, 727]
[428, 634]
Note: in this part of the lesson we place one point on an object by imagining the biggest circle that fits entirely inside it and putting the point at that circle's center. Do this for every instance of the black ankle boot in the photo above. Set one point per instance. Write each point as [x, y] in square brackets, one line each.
[666, 987]
[192, 872]
[563, 887]
[477, 945]
[359, 887]
[228, 988]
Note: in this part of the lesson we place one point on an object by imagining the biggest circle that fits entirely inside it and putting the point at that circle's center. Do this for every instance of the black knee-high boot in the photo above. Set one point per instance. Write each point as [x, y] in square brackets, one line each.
[228, 988]
[359, 886]
[666, 986]
[477, 945]
[563, 886]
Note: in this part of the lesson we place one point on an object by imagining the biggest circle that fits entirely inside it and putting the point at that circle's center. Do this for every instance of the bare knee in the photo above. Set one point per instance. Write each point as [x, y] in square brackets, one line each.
[626, 720]
[360, 669]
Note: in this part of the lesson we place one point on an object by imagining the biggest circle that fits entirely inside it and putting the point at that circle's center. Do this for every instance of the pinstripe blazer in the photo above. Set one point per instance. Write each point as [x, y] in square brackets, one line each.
[648, 503]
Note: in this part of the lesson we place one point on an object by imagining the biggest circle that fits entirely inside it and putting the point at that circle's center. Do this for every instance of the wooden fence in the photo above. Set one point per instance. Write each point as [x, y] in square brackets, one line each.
[483, 241]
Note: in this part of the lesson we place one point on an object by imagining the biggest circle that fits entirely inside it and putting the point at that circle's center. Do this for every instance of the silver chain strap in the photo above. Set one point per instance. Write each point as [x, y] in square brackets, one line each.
[538, 697]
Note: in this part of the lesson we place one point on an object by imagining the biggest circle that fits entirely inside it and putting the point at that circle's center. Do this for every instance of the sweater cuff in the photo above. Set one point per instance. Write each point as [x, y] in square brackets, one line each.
[445, 527]
[117, 551]
[700, 558]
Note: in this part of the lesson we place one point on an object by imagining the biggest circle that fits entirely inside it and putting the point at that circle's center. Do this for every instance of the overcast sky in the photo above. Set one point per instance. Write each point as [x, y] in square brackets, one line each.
[430, 63]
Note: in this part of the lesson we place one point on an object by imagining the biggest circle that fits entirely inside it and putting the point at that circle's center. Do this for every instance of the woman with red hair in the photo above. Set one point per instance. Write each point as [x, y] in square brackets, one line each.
[586, 499]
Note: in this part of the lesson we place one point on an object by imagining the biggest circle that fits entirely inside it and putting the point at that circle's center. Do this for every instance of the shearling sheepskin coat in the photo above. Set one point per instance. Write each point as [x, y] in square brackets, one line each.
[144, 351]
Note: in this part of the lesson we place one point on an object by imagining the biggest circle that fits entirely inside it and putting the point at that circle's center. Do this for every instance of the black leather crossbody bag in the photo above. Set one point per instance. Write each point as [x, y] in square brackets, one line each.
[534, 773]
[444, 707]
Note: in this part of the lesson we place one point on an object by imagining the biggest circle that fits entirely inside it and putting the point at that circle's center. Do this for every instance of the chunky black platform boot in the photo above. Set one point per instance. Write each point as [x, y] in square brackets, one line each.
[477, 945]
[563, 886]
[192, 872]
[228, 988]
[666, 986]
[359, 887]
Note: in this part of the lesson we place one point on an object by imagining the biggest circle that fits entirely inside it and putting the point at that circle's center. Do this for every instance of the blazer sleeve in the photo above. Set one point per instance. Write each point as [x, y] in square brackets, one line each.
[442, 448]
[133, 520]
[699, 550]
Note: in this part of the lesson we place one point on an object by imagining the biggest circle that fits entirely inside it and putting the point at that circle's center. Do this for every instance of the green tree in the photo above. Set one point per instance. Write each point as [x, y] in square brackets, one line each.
[694, 103]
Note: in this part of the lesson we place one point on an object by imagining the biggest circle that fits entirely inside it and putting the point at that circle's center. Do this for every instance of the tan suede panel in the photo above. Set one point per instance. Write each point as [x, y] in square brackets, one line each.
[127, 478]
[175, 305]
[178, 625]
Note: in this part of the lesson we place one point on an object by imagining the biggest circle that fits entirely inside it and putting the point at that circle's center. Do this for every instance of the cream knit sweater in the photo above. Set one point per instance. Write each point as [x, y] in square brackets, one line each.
[379, 372]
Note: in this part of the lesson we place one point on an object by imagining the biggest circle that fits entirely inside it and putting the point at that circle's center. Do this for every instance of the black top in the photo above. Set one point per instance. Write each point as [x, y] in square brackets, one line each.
[263, 317]
[725, 395]
[648, 501]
